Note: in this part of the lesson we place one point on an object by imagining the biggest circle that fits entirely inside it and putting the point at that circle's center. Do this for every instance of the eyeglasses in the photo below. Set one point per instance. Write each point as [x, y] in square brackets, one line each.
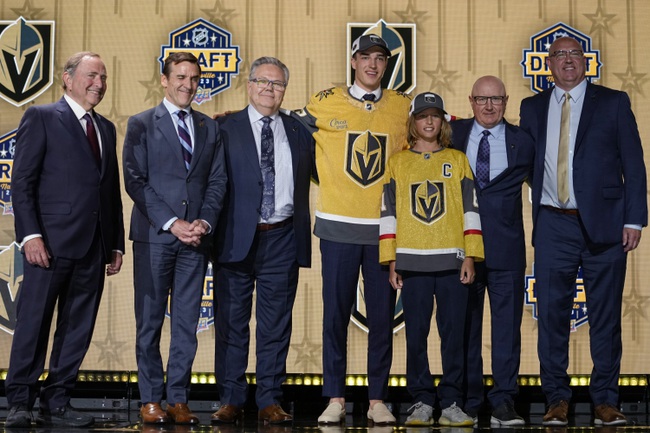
[562, 54]
[495, 100]
[280, 86]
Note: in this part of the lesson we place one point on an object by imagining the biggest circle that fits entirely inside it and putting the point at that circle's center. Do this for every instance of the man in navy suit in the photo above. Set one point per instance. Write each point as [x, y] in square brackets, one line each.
[509, 152]
[68, 217]
[263, 237]
[589, 205]
[174, 172]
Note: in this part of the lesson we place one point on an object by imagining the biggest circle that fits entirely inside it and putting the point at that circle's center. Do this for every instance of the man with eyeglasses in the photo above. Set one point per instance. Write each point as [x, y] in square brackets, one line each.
[501, 157]
[589, 205]
[263, 237]
[356, 130]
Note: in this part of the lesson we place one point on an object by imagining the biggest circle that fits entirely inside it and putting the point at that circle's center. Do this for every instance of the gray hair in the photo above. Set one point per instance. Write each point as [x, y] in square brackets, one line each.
[269, 61]
[73, 62]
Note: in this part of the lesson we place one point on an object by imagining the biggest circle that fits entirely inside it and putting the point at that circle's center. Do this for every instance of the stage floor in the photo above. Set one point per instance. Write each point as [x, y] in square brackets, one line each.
[128, 421]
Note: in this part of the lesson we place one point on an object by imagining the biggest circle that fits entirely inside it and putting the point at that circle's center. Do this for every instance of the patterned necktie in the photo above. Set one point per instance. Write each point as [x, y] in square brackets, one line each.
[92, 138]
[185, 138]
[267, 165]
[369, 97]
[483, 161]
[563, 152]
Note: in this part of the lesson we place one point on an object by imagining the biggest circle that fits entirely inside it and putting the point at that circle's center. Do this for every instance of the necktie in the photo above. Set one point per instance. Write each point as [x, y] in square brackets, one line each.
[563, 152]
[267, 165]
[92, 138]
[483, 160]
[369, 97]
[185, 138]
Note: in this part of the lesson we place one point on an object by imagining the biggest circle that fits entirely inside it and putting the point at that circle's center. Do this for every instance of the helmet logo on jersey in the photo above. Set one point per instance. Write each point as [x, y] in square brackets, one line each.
[365, 160]
[428, 201]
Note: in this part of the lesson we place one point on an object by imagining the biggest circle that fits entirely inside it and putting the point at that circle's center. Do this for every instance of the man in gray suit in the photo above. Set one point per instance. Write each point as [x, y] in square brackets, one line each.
[174, 172]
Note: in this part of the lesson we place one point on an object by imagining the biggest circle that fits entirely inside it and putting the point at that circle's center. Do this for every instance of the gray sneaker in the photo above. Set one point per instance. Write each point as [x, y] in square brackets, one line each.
[421, 415]
[506, 415]
[454, 416]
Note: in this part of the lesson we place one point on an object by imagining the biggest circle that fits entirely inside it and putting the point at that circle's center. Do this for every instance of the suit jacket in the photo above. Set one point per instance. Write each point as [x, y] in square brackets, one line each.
[609, 175]
[57, 188]
[156, 179]
[499, 203]
[243, 200]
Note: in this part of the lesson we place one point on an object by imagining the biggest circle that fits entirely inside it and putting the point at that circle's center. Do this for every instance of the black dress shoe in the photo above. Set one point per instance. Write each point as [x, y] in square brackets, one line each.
[19, 417]
[65, 416]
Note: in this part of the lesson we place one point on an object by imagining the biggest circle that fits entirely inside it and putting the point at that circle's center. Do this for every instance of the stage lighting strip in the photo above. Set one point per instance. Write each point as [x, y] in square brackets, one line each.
[317, 379]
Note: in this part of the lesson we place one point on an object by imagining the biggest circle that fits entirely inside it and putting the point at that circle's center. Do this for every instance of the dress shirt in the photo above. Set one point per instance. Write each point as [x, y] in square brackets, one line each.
[358, 93]
[498, 154]
[549, 189]
[283, 163]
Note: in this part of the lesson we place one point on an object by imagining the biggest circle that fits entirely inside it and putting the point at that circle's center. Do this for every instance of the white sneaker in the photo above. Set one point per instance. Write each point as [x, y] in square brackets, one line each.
[421, 415]
[453, 416]
[334, 413]
[379, 414]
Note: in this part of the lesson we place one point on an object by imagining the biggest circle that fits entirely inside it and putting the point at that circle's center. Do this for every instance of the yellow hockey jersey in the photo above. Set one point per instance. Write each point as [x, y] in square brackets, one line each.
[429, 215]
[354, 140]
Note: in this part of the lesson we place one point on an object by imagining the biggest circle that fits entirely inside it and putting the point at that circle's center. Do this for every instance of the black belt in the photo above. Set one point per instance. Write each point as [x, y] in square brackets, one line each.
[573, 212]
[266, 227]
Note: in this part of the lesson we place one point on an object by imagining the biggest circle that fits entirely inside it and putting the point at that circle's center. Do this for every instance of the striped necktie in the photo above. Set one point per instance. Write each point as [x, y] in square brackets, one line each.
[185, 138]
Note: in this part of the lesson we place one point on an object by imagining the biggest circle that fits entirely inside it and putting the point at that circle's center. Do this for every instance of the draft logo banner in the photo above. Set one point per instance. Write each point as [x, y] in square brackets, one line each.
[400, 74]
[26, 59]
[218, 57]
[7, 150]
[534, 58]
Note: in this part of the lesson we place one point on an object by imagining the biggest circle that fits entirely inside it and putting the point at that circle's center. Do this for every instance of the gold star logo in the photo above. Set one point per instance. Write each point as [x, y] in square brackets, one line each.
[411, 15]
[632, 81]
[441, 77]
[600, 21]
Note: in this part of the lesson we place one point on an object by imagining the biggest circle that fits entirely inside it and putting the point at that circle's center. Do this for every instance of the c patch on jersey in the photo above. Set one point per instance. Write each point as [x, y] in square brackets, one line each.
[428, 201]
[365, 160]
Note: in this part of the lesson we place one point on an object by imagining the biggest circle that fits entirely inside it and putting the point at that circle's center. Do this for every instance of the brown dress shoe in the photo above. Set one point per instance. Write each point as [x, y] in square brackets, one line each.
[274, 414]
[227, 414]
[606, 414]
[152, 413]
[181, 414]
[557, 414]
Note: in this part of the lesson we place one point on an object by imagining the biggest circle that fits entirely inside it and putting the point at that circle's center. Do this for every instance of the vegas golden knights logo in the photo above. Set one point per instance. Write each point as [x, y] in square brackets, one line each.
[428, 201]
[366, 157]
[26, 59]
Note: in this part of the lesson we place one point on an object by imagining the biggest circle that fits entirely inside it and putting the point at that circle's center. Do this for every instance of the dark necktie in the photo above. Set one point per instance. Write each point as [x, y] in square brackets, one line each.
[185, 139]
[369, 97]
[92, 138]
[483, 161]
[267, 165]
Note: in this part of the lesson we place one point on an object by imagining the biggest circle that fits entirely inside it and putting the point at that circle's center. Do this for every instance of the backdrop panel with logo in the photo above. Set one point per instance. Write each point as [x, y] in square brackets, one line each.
[438, 45]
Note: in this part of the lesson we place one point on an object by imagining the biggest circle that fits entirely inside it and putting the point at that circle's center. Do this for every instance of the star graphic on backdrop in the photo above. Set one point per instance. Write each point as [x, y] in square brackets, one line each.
[28, 11]
[118, 119]
[219, 15]
[242, 79]
[154, 89]
[307, 353]
[600, 21]
[411, 15]
[110, 351]
[634, 304]
[632, 81]
[441, 78]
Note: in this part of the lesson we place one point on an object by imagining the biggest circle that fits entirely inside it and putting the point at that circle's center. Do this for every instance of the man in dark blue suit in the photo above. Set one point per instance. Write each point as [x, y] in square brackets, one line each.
[589, 205]
[263, 237]
[68, 217]
[174, 171]
[509, 152]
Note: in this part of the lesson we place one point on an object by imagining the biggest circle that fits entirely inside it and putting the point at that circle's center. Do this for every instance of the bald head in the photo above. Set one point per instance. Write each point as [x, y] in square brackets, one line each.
[488, 101]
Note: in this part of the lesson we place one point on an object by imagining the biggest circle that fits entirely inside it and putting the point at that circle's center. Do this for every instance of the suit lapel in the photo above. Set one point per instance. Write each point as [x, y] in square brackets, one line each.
[73, 126]
[165, 124]
[588, 109]
[245, 137]
[105, 139]
[291, 130]
[200, 137]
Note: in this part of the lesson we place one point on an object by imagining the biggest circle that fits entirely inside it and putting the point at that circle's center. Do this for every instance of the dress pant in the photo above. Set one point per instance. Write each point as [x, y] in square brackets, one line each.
[340, 270]
[75, 288]
[506, 290]
[160, 271]
[561, 246]
[418, 294]
[271, 270]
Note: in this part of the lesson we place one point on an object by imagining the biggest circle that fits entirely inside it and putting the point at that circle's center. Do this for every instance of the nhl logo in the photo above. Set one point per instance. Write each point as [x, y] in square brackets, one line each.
[218, 58]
